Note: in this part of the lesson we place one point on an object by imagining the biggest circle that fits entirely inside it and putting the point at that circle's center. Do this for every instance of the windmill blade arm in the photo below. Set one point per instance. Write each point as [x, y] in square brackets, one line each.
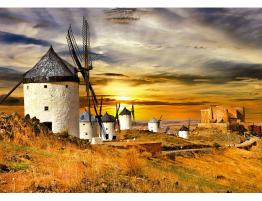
[99, 120]
[71, 35]
[73, 51]
[10, 92]
[93, 93]
[133, 112]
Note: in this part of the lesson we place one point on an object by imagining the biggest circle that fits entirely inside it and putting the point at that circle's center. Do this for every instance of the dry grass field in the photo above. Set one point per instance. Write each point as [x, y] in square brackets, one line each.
[44, 162]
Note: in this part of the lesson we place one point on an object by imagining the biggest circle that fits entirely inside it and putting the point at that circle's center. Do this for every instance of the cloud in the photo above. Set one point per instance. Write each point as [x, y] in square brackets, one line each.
[113, 74]
[243, 24]
[8, 74]
[11, 38]
[231, 70]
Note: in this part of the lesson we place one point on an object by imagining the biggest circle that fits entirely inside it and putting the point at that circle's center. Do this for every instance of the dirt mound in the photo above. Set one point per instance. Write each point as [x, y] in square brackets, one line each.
[212, 135]
[29, 131]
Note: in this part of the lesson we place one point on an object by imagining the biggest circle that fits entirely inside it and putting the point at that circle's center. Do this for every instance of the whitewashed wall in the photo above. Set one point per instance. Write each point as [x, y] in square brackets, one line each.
[62, 102]
[183, 134]
[110, 129]
[153, 127]
[88, 131]
[125, 122]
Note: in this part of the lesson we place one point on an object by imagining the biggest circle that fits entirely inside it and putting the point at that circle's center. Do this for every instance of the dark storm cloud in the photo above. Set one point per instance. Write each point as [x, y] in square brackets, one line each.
[113, 74]
[9, 18]
[170, 103]
[11, 38]
[108, 101]
[239, 23]
[8, 74]
[248, 99]
[230, 71]
[183, 78]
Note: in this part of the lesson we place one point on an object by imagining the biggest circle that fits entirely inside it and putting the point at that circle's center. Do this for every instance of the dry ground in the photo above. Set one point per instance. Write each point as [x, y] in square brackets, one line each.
[101, 168]
[46, 163]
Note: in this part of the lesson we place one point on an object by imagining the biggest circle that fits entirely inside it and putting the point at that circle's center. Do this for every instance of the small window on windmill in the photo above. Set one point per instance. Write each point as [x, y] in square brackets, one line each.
[45, 86]
[46, 108]
[106, 128]
[67, 86]
[27, 87]
[86, 134]
[84, 124]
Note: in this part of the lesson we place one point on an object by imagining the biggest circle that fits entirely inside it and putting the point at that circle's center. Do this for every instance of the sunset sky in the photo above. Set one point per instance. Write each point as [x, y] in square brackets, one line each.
[167, 61]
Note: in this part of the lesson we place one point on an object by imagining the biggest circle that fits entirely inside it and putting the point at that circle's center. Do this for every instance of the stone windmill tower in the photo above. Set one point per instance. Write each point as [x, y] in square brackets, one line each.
[51, 93]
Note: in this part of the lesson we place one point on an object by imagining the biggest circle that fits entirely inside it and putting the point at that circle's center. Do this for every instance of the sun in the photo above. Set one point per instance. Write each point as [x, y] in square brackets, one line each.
[123, 98]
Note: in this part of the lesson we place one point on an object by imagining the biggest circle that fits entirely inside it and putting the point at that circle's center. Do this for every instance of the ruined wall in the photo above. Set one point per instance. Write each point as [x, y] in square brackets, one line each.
[205, 116]
[223, 114]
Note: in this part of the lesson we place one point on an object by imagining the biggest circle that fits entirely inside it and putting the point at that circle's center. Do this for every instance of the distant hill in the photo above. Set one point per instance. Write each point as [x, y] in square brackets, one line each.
[12, 100]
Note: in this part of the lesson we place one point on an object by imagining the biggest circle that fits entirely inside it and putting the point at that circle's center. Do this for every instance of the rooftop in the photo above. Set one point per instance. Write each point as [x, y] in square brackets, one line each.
[108, 118]
[51, 68]
[125, 112]
[84, 116]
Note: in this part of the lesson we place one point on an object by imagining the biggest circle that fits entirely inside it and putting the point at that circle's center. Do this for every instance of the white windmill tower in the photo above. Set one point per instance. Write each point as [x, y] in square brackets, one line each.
[125, 118]
[108, 121]
[183, 132]
[88, 126]
[154, 125]
[51, 93]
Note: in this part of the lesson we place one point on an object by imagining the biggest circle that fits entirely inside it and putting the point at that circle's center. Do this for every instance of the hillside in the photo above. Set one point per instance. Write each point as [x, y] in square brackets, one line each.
[33, 159]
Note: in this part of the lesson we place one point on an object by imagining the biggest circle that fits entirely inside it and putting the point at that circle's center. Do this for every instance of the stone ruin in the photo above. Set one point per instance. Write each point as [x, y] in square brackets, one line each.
[222, 117]
[223, 114]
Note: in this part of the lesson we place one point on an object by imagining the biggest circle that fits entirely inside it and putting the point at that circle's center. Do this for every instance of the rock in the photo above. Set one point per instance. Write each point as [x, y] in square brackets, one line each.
[27, 117]
[4, 168]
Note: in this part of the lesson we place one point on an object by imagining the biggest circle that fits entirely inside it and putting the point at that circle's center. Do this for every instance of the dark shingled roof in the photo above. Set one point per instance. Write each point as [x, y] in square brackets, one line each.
[125, 112]
[184, 128]
[108, 118]
[51, 68]
[84, 117]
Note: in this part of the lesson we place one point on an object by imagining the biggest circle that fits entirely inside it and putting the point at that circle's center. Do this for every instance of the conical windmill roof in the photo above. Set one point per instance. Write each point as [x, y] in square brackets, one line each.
[184, 128]
[51, 68]
[108, 118]
[84, 117]
[125, 112]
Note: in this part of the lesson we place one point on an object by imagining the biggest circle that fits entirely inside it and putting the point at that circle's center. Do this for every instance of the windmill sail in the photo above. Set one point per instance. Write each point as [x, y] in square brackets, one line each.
[84, 64]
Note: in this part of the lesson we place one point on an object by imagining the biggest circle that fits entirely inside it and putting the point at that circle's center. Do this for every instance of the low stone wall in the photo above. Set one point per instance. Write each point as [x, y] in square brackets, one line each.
[221, 126]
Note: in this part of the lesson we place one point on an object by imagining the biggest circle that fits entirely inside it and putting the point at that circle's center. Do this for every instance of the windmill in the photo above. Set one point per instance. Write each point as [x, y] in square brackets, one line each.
[83, 60]
[117, 115]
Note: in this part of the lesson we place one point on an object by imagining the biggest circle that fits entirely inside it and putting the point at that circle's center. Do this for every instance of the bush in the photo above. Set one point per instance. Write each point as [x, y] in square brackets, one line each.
[216, 145]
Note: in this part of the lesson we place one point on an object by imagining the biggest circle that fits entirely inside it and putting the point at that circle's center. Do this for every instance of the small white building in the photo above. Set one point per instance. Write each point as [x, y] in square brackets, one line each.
[51, 94]
[153, 125]
[109, 125]
[87, 126]
[125, 120]
[183, 132]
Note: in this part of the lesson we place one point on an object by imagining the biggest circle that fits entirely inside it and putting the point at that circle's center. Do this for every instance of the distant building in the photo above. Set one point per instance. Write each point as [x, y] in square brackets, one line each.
[87, 126]
[222, 117]
[223, 114]
[153, 125]
[125, 120]
[183, 132]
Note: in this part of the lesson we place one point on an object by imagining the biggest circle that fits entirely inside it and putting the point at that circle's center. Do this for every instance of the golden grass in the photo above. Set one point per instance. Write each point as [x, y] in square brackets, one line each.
[46, 164]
